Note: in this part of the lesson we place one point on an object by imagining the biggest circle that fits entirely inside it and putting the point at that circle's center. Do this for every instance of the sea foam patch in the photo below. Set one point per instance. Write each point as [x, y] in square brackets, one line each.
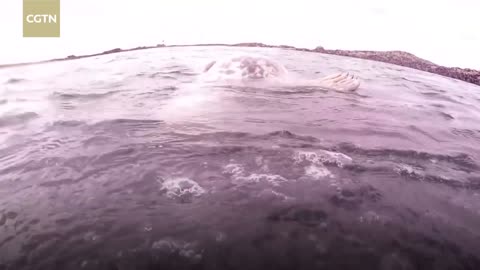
[318, 172]
[234, 169]
[239, 176]
[182, 248]
[180, 187]
[322, 157]
[273, 179]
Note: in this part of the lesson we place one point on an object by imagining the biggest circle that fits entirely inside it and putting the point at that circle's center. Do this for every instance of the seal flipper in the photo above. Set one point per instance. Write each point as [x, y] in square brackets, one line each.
[343, 81]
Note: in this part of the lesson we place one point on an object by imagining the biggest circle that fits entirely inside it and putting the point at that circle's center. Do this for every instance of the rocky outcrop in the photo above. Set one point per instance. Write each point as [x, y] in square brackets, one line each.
[116, 50]
[409, 60]
[252, 44]
[393, 57]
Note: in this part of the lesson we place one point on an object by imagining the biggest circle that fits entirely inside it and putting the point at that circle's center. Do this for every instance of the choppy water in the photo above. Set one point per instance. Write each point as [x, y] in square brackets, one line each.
[126, 161]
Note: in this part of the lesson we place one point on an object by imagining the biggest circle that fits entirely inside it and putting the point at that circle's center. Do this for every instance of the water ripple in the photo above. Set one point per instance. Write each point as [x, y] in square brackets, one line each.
[101, 166]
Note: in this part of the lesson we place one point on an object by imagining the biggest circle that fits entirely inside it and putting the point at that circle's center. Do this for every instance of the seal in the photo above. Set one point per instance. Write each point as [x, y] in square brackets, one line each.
[248, 69]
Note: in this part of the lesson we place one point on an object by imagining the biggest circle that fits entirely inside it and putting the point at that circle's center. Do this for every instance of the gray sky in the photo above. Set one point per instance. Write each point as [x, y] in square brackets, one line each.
[446, 32]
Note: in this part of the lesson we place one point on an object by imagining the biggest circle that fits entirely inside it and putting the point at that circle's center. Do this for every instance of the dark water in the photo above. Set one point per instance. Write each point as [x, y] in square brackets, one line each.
[126, 161]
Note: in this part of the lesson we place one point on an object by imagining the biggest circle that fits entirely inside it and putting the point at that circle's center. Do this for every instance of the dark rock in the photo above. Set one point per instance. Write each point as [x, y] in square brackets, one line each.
[116, 50]
[409, 60]
[251, 44]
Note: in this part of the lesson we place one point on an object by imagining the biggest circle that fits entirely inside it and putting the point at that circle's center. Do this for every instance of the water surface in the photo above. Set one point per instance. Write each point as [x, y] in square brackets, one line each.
[128, 161]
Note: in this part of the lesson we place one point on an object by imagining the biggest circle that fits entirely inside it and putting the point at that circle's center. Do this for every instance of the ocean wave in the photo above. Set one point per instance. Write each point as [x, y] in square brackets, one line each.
[83, 97]
[15, 80]
[17, 119]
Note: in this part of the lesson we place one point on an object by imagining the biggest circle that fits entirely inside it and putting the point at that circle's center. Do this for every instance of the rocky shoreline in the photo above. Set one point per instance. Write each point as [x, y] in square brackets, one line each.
[409, 60]
[393, 57]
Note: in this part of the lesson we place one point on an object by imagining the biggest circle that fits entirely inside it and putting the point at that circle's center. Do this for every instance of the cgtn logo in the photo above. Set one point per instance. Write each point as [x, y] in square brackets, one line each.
[41, 18]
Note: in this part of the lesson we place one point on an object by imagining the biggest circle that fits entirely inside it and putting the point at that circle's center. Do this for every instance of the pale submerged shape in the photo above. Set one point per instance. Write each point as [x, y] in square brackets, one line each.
[258, 71]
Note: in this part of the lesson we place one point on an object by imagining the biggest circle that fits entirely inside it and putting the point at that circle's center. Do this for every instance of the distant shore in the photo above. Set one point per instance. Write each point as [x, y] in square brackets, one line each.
[393, 57]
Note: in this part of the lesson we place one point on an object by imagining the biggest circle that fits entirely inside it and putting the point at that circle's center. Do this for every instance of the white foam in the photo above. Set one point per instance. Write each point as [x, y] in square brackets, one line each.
[237, 172]
[322, 157]
[371, 217]
[183, 248]
[273, 179]
[234, 169]
[408, 169]
[178, 187]
[318, 172]
[270, 193]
